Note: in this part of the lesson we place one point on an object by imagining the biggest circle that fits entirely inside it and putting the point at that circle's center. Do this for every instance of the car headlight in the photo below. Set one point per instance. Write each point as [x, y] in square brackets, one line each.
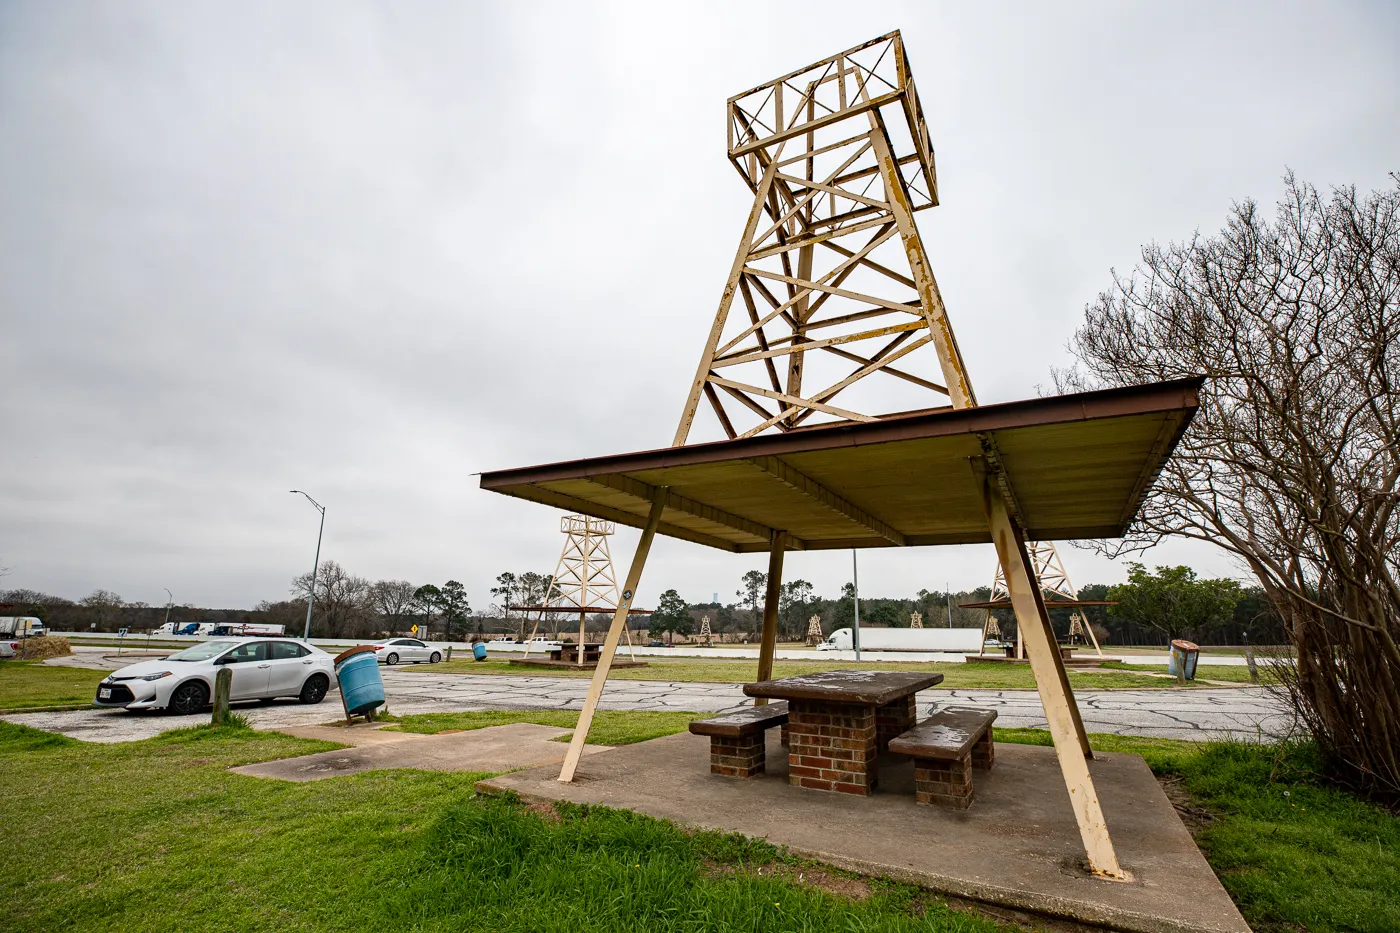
[156, 676]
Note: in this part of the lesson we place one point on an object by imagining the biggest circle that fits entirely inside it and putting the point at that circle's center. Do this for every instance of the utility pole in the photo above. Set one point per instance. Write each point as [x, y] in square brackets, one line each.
[855, 600]
[315, 565]
[170, 599]
[948, 592]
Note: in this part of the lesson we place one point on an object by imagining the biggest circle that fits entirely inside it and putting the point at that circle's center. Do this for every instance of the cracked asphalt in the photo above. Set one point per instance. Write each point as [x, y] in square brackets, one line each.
[1248, 713]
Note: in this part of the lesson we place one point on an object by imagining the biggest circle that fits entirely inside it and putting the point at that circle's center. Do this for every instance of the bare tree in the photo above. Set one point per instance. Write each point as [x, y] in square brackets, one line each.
[393, 600]
[342, 601]
[104, 605]
[1293, 462]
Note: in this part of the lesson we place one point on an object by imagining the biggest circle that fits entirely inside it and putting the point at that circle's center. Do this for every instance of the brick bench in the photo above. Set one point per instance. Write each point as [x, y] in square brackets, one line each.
[737, 738]
[945, 748]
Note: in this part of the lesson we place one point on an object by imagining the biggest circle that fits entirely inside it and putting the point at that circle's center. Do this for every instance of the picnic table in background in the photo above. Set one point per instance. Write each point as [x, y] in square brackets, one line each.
[840, 721]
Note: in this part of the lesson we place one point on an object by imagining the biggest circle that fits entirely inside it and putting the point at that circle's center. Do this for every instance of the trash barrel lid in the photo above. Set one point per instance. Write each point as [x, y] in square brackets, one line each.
[351, 652]
[1185, 645]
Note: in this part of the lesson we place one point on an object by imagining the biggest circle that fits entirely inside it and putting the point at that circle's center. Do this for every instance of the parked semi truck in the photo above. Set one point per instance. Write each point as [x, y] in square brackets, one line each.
[952, 640]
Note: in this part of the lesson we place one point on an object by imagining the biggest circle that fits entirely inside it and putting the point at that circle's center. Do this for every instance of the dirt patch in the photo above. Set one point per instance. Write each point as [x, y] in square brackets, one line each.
[849, 887]
[1196, 818]
[544, 811]
[195, 762]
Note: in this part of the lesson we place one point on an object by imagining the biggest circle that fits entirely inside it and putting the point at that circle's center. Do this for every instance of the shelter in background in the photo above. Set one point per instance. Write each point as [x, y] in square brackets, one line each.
[830, 272]
[583, 581]
[1054, 580]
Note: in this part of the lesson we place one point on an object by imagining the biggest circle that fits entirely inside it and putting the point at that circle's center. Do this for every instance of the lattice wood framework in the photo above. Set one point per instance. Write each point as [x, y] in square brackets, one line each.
[831, 279]
[833, 286]
[584, 580]
[1054, 581]
[814, 631]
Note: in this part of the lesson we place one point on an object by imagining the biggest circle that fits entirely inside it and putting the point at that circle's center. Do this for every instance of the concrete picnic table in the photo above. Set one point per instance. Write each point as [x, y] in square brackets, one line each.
[569, 652]
[840, 721]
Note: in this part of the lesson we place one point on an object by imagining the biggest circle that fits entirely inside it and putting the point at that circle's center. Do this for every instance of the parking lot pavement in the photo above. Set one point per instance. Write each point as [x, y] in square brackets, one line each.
[1243, 712]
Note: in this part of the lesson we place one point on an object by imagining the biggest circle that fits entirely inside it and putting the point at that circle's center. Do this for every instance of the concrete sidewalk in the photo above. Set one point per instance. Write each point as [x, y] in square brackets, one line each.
[493, 750]
[1017, 847]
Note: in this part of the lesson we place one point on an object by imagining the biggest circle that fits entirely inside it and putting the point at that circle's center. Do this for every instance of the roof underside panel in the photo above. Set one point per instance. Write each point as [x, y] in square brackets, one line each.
[1078, 467]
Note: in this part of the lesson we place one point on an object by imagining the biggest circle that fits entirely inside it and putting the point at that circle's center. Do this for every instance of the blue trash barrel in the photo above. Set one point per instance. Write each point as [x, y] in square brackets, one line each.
[360, 683]
[1184, 655]
[479, 651]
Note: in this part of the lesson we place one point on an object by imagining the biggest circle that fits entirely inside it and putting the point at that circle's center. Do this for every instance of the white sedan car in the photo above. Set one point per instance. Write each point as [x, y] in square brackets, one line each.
[406, 649]
[263, 668]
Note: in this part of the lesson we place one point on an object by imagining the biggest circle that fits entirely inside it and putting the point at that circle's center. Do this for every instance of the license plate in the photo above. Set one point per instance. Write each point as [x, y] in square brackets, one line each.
[105, 693]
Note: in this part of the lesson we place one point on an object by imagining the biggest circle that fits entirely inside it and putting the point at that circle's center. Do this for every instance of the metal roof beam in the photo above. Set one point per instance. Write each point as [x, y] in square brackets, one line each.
[814, 490]
[679, 503]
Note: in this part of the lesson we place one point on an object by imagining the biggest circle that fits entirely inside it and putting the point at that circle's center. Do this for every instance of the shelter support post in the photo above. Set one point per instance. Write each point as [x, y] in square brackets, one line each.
[768, 646]
[619, 622]
[1061, 711]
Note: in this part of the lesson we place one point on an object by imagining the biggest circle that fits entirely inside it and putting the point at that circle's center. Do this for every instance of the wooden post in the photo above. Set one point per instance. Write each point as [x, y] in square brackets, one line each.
[768, 645]
[1061, 712]
[223, 685]
[736, 272]
[619, 621]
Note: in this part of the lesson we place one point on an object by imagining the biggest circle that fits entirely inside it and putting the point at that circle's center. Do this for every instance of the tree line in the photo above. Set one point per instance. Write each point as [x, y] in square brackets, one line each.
[1153, 607]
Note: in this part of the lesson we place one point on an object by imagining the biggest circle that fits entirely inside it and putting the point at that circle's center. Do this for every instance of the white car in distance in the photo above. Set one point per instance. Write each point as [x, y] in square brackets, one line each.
[263, 669]
[406, 649]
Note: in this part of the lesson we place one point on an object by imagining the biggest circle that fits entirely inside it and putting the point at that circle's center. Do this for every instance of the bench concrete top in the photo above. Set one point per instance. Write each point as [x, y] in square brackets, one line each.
[947, 734]
[744, 721]
[863, 688]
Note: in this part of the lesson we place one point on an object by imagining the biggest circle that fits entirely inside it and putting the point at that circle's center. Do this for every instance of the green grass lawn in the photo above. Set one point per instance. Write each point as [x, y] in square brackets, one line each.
[158, 835]
[972, 675]
[26, 684]
[1225, 672]
[610, 727]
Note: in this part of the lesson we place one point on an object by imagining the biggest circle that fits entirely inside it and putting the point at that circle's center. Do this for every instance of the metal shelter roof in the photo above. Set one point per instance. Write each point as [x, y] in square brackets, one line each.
[1077, 466]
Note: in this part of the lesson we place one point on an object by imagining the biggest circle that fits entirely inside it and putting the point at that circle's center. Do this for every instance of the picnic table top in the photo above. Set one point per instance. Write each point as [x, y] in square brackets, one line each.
[866, 688]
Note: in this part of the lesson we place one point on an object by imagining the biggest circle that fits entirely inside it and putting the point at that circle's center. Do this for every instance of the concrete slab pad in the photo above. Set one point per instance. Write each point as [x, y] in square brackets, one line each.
[497, 748]
[1018, 846]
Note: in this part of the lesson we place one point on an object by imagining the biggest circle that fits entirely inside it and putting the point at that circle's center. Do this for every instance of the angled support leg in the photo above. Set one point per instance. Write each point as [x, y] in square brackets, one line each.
[1061, 712]
[619, 622]
[768, 646]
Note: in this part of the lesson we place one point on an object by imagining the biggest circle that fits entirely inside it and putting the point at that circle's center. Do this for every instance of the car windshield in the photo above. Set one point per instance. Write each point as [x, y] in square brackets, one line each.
[202, 652]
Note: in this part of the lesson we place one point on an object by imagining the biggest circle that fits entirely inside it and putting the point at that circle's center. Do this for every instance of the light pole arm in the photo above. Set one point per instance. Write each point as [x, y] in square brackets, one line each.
[315, 565]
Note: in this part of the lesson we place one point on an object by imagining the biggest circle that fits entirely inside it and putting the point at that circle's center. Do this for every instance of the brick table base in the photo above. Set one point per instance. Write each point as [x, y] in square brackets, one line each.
[893, 719]
[832, 746]
[949, 783]
[737, 757]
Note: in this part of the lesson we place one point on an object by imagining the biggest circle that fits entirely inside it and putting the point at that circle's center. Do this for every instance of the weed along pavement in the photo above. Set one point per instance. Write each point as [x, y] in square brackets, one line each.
[1241, 712]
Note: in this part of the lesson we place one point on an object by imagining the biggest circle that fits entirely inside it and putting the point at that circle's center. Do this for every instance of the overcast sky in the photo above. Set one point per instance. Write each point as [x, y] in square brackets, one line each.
[369, 250]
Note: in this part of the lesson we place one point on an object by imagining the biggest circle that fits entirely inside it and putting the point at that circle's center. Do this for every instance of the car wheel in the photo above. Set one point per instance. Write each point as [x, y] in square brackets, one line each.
[314, 690]
[189, 697]
[391, 658]
[437, 656]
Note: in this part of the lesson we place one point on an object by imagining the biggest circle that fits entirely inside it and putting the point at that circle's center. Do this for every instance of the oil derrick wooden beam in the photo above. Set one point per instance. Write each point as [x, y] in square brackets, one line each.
[831, 248]
[793, 479]
[769, 642]
[1061, 712]
[619, 623]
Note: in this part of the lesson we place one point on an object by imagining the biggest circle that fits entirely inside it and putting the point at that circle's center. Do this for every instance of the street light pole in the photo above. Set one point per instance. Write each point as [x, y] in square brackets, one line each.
[855, 604]
[168, 601]
[311, 591]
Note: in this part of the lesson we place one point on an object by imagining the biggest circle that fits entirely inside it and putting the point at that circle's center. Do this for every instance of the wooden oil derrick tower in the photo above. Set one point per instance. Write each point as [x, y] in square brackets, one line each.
[583, 580]
[831, 281]
[831, 287]
[1055, 582]
[814, 631]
